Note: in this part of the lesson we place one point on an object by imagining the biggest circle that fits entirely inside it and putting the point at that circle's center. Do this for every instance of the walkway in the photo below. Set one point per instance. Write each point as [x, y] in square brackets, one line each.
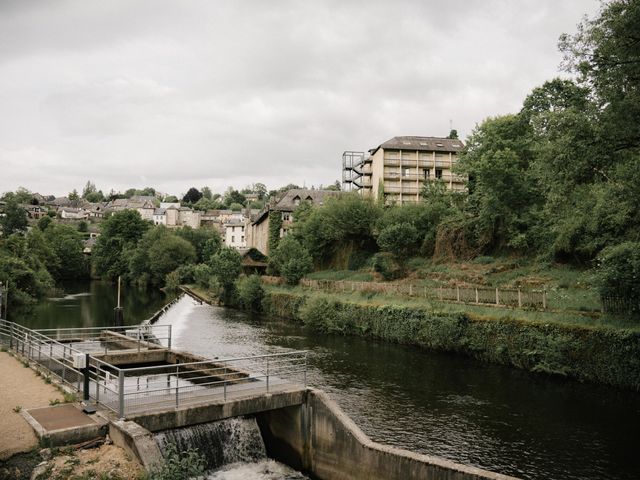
[20, 387]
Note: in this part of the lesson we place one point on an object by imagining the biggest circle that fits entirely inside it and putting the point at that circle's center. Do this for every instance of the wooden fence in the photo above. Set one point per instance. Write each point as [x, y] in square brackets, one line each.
[614, 304]
[500, 297]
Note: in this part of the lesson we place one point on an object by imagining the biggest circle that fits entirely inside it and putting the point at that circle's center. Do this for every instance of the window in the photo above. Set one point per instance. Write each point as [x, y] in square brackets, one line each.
[242, 239]
[425, 172]
[438, 173]
[286, 216]
[233, 238]
[296, 200]
[405, 171]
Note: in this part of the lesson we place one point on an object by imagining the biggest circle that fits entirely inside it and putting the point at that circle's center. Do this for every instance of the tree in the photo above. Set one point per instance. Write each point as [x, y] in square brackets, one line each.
[14, 218]
[226, 265]
[260, 189]
[399, 239]
[73, 196]
[192, 195]
[292, 260]
[167, 254]
[44, 223]
[120, 235]
[67, 246]
[89, 188]
[605, 53]
[453, 134]
[206, 192]
[198, 238]
[250, 293]
[211, 247]
[232, 196]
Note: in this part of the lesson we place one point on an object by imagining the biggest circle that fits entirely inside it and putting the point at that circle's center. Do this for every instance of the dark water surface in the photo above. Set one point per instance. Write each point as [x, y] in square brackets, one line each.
[90, 305]
[499, 418]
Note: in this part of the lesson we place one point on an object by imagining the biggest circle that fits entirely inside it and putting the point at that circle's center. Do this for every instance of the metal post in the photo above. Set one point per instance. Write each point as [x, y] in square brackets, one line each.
[98, 382]
[139, 337]
[177, 385]
[10, 335]
[267, 374]
[169, 342]
[121, 393]
[64, 354]
[224, 385]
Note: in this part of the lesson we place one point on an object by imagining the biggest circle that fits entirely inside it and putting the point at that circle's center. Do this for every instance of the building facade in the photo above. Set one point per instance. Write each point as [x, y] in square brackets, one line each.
[397, 170]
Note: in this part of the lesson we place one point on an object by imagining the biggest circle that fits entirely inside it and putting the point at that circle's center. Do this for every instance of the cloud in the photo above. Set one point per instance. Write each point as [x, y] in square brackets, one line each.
[174, 94]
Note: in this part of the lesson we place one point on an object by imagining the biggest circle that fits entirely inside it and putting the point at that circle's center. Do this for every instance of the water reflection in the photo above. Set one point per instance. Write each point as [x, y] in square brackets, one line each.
[90, 305]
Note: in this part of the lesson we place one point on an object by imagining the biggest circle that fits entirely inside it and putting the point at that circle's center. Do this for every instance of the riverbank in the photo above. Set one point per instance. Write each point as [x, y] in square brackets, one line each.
[589, 353]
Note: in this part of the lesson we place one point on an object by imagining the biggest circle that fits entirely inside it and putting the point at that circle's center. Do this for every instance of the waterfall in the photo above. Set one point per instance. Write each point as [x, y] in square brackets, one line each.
[227, 441]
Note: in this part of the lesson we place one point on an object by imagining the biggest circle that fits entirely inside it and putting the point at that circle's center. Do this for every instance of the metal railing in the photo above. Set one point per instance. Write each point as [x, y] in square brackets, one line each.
[131, 390]
[175, 385]
[51, 355]
[108, 339]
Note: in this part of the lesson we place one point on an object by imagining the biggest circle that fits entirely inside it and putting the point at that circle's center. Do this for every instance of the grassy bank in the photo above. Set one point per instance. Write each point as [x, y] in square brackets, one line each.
[602, 354]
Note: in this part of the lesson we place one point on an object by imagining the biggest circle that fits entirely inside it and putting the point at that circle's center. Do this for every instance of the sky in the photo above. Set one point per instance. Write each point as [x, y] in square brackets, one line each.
[175, 94]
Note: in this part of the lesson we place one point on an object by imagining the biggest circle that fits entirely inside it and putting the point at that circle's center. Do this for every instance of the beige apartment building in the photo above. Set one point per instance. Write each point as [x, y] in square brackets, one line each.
[397, 169]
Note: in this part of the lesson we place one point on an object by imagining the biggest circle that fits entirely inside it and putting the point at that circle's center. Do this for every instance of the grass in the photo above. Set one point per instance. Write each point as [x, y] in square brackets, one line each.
[17, 408]
[568, 288]
[573, 318]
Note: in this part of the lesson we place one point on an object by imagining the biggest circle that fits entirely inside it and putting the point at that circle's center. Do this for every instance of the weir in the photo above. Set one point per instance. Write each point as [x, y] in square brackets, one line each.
[151, 395]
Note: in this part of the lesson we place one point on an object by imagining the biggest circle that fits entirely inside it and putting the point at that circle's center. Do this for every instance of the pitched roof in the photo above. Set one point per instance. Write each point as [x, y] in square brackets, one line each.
[429, 144]
[288, 201]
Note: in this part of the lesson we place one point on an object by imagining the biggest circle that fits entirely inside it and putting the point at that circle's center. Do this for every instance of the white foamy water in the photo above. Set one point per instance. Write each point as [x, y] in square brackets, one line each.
[262, 470]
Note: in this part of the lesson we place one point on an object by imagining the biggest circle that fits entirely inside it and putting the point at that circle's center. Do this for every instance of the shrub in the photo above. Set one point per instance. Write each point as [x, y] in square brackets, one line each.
[180, 465]
[386, 265]
[292, 260]
[202, 275]
[618, 277]
[250, 293]
[172, 281]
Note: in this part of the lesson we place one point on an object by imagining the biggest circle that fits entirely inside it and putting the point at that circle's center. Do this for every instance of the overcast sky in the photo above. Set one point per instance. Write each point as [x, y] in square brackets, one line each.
[174, 94]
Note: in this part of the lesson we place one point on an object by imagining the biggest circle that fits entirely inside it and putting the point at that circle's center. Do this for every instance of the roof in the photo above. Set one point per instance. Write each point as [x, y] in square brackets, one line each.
[159, 211]
[288, 202]
[429, 144]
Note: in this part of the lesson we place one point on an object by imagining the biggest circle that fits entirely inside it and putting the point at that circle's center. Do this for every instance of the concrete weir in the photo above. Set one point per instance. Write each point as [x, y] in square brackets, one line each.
[304, 429]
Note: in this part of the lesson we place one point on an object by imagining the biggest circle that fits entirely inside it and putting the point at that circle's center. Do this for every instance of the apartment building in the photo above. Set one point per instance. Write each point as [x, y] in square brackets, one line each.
[397, 169]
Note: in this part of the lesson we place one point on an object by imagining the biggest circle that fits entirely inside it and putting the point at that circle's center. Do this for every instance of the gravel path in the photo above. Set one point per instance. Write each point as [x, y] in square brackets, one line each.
[19, 386]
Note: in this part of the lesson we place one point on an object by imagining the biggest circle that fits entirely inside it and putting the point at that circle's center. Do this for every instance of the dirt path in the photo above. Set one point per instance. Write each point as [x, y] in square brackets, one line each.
[20, 387]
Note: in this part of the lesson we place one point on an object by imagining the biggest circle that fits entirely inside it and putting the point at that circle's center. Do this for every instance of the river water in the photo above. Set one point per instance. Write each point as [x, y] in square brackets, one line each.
[528, 425]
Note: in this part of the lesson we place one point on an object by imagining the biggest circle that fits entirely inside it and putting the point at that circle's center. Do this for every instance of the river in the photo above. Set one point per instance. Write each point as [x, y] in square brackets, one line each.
[528, 425]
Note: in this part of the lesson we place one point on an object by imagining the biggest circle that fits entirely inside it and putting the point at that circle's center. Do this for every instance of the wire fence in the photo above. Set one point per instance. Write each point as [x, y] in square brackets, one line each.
[500, 297]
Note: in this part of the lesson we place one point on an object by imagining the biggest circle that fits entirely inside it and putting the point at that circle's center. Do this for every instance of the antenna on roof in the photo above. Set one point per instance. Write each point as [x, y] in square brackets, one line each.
[450, 124]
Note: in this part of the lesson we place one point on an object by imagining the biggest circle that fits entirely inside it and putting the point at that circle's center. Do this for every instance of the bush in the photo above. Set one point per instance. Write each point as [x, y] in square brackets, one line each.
[292, 260]
[202, 275]
[172, 281]
[250, 293]
[180, 465]
[386, 265]
[618, 277]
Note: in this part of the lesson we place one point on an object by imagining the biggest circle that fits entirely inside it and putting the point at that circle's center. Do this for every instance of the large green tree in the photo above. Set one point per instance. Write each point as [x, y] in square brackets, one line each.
[14, 218]
[120, 234]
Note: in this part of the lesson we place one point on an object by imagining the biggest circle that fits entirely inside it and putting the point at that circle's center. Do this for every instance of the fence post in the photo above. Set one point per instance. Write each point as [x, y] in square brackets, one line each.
[10, 335]
[497, 297]
[267, 374]
[98, 383]
[121, 393]
[410, 290]
[169, 342]
[306, 354]
[544, 299]
[477, 297]
[458, 293]
[519, 298]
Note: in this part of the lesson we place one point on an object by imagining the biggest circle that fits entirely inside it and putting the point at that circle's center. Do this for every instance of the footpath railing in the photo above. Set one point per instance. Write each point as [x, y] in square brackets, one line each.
[71, 355]
[500, 297]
